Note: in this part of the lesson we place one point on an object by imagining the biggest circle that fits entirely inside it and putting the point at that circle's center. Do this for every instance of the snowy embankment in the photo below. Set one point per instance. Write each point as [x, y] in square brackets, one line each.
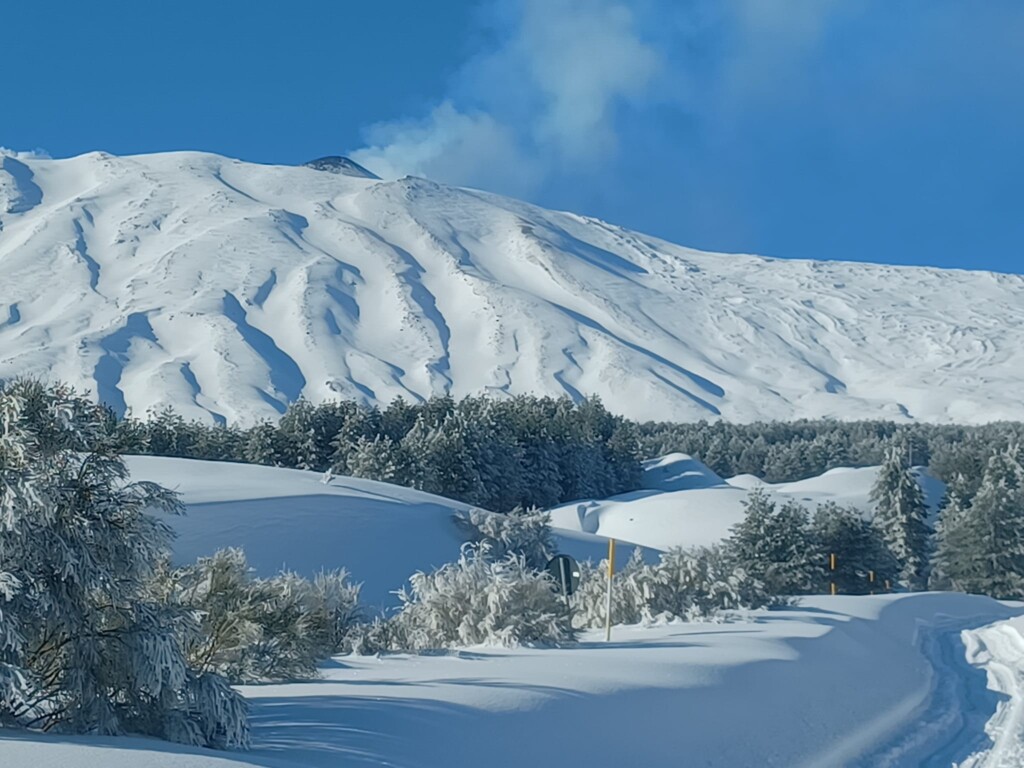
[685, 504]
[999, 650]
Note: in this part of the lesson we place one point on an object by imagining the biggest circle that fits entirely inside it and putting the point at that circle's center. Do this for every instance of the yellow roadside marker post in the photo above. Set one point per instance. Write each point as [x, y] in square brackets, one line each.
[832, 567]
[608, 596]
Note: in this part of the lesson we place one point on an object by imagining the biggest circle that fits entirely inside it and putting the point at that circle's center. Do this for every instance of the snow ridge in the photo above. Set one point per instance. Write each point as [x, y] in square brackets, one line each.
[227, 289]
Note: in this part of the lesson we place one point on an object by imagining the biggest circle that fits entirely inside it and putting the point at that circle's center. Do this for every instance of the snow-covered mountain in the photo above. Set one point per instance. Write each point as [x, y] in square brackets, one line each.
[229, 289]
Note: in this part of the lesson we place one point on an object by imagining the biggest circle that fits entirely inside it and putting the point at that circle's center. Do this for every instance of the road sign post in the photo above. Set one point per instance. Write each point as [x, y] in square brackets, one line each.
[565, 572]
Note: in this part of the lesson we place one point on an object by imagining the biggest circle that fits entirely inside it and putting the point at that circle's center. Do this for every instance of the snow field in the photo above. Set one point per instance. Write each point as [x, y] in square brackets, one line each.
[289, 519]
[822, 684]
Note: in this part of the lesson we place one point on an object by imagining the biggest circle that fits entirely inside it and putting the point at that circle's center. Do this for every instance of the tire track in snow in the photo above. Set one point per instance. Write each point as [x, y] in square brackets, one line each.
[951, 724]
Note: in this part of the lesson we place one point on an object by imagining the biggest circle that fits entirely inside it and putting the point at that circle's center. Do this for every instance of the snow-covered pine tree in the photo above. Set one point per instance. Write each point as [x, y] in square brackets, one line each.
[442, 457]
[775, 546]
[946, 557]
[901, 518]
[297, 434]
[858, 547]
[84, 643]
[378, 459]
[262, 446]
[494, 453]
[982, 546]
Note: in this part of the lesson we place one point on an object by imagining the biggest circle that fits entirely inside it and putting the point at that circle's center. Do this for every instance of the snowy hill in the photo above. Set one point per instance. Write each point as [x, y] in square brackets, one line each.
[229, 289]
[685, 504]
[291, 519]
[382, 533]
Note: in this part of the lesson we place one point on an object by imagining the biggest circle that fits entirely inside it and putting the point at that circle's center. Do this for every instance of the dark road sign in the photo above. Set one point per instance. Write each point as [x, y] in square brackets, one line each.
[566, 573]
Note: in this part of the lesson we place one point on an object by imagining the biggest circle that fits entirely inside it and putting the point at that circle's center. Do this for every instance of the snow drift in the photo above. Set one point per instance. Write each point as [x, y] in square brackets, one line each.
[685, 504]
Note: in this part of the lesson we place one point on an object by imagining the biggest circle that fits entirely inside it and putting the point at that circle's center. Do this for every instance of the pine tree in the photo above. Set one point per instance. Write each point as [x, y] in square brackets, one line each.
[299, 445]
[775, 547]
[901, 518]
[262, 446]
[982, 546]
[84, 643]
[947, 556]
[378, 459]
[443, 458]
[858, 547]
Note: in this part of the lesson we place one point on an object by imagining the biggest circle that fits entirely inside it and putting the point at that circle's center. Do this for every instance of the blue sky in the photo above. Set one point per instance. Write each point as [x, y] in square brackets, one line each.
[872, 130]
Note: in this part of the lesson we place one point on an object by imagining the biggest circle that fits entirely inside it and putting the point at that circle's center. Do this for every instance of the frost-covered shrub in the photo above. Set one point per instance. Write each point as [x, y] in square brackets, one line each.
[85, 645]
[695, 585]
[379, 635]
[589, 603]
[699, 584]
[526, 533]
[479, 600]
[259, 630]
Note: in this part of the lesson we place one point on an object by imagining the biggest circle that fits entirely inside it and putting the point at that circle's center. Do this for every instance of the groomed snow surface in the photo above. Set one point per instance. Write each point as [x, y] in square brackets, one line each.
[228, 289]
[834, 681]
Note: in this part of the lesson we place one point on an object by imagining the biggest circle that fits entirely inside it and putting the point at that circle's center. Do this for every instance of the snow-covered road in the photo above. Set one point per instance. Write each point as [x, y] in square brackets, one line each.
[951, 723]
[818, 685]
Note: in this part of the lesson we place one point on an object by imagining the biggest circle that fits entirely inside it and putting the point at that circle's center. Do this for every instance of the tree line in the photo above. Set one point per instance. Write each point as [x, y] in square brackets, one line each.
[539, 451]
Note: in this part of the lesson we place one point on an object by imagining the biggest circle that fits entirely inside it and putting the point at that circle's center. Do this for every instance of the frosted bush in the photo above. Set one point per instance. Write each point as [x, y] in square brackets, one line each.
[526, 533]
[696, 585]
[260, 630]
[479, 600]
[589, 602]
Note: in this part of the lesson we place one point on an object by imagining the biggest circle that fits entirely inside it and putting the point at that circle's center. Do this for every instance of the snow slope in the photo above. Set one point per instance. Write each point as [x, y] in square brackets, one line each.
[685, 504]
[288, 518]
[825, 684]
[229, 289]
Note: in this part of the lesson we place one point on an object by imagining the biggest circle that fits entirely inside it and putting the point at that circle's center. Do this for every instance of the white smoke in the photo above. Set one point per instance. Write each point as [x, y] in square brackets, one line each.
[544, 98]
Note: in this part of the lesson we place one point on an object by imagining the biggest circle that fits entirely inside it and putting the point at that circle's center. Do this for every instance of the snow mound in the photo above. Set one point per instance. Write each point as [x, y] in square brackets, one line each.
[678, 472]
[290, 519]
[746, 482]
[227, 290]
[999, 650]
[699, 514]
